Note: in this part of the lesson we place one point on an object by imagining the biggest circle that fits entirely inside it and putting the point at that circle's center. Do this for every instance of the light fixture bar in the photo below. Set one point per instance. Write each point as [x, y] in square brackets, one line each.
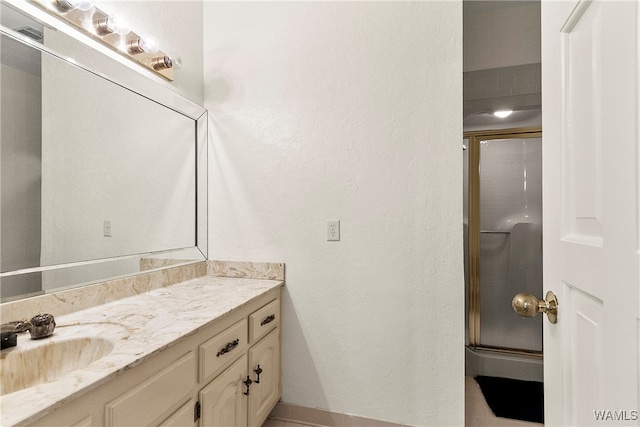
[111, 30]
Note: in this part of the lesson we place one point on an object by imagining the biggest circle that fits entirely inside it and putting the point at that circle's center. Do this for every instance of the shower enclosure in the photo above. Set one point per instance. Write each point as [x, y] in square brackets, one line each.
[503, 250]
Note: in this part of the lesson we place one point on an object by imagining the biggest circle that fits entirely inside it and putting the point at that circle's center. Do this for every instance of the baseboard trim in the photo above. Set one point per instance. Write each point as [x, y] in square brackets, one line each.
[324, 418]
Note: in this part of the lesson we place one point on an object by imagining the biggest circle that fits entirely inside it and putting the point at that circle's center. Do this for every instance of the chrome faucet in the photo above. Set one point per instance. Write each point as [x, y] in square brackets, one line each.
[40, 326]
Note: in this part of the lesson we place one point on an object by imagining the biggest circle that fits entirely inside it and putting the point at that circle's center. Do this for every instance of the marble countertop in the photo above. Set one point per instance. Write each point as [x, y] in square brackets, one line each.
[150, 322]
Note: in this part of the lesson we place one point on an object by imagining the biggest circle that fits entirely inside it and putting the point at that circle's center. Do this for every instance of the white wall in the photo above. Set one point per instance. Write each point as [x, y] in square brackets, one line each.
[502, 36]
[350, 111]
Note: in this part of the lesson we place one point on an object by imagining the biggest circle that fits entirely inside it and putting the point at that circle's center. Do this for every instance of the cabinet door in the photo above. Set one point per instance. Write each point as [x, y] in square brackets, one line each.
[183, 417]
[265, 393]
[223, 400]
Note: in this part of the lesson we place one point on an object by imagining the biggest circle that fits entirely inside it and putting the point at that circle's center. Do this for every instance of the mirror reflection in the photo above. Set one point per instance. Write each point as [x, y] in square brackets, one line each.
[90, 170]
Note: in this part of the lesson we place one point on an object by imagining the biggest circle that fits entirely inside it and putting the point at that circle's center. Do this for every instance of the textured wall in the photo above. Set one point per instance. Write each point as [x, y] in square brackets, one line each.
[347, 111]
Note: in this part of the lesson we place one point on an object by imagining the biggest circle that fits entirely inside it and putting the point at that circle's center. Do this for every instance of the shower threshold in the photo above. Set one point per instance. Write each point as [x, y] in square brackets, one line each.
[504, 364]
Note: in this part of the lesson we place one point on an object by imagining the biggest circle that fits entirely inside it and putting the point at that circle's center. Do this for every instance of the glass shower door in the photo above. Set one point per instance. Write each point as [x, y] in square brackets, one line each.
[507, 236]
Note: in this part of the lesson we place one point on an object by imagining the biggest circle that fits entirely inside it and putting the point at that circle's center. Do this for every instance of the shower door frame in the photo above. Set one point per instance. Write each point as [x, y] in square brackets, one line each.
[473, 218]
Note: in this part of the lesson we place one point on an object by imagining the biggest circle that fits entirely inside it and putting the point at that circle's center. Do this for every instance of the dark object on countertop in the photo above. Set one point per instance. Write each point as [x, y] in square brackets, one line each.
[40, 326]
[8, 340]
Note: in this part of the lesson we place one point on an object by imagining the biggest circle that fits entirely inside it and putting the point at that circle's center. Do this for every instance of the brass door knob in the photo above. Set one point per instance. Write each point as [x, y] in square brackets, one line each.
[527, 305]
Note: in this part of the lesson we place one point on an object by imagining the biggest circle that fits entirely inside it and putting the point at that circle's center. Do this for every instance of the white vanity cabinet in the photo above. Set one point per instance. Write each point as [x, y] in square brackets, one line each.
[245, 393]
[225, 401]
[202, 380]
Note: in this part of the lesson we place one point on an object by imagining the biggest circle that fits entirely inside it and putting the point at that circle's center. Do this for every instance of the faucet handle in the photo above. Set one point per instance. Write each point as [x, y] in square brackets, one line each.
[42, 326]
[9, 332]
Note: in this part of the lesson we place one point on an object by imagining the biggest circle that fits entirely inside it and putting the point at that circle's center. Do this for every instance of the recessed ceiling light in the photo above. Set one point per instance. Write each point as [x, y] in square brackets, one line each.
[502, 113]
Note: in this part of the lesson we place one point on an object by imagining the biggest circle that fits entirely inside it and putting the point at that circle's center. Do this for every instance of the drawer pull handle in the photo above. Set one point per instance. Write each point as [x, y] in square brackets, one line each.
[247, 382]
[258, 371]
[270, 318]
[227, 348]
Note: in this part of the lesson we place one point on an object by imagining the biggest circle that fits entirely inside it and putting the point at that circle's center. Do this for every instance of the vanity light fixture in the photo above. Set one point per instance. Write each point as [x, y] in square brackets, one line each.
[67, 5]
[502, 113]
[114, 31]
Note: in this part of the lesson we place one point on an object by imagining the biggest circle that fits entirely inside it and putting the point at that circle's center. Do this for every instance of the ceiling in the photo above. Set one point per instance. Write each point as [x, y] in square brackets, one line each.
[481, 6]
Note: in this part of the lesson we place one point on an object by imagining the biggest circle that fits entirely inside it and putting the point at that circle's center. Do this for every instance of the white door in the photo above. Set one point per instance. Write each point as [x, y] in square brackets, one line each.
[591, 210]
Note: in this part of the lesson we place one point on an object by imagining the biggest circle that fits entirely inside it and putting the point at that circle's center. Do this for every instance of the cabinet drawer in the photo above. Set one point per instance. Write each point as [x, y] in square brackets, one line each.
[264, 320]
[146, 402]
[221, 350]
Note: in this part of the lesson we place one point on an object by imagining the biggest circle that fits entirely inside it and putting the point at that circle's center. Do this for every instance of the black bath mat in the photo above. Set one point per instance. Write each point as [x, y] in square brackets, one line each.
[515, 399]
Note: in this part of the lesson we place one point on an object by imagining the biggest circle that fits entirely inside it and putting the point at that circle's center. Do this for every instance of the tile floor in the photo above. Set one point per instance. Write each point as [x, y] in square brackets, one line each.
[277, 423]
[478, 413]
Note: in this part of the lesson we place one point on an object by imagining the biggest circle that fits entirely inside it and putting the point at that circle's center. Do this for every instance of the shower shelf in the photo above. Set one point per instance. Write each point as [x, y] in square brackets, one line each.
[494, 232]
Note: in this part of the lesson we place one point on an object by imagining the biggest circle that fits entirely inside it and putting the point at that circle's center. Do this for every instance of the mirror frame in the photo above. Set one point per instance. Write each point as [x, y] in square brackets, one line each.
[142, 83]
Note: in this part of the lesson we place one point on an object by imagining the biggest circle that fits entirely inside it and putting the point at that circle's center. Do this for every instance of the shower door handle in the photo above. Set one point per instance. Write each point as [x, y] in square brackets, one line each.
[527, 305]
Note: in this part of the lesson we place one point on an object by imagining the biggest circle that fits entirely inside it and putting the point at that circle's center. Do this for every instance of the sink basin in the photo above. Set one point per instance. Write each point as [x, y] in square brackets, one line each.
[71, 348]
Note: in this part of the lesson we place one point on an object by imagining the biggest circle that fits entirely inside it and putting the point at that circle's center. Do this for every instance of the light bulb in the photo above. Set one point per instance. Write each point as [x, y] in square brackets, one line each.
[149, 45]
[112, 24]
[143, 45]
[177, 62]
[502, 113]
[175, 58]
[118, 25]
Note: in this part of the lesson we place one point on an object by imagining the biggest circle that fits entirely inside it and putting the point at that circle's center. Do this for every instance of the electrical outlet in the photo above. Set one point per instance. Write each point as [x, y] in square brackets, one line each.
[333, 231]
[106, 228]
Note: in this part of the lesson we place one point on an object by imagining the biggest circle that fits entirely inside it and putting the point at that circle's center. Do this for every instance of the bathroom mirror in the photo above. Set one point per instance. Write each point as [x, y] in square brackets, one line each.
[99, 179]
